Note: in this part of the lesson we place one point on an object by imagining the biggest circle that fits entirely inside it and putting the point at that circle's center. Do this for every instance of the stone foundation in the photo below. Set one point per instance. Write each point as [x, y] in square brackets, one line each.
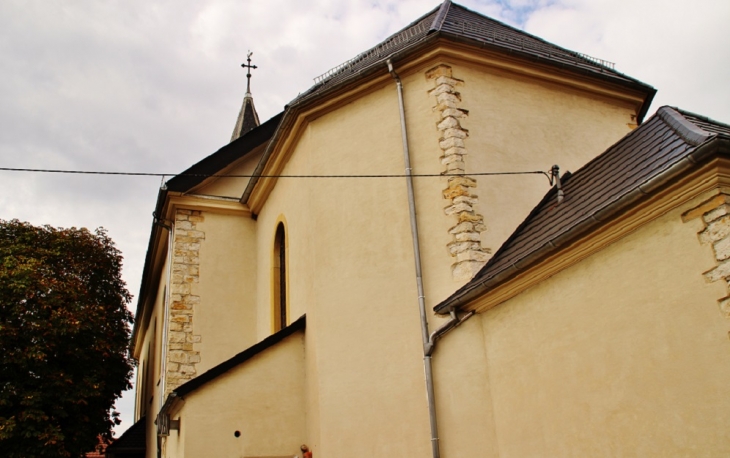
[182, 355]
[465, 246]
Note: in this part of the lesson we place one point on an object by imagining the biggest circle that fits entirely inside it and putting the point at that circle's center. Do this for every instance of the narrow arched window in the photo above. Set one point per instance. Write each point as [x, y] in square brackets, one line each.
[279, 280]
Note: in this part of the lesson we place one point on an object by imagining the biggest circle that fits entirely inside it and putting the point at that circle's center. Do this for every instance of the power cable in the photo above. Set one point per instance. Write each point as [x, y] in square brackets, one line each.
[204, 175]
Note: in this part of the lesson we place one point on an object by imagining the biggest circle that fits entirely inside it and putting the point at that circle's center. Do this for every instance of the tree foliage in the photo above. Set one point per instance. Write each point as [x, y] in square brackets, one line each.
[64, 334]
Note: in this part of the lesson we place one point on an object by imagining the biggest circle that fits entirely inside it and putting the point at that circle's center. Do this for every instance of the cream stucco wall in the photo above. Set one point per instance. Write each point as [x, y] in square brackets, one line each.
[226, 316]
[348, 246]
[623, 354]
[152, 347]
[153, 339]
[232, 186]
[515, 123]
[524, 124]
[262, 399]
[350, 262]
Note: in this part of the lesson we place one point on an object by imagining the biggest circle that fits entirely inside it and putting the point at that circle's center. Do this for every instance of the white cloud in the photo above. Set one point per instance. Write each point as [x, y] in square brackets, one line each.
[678, 48]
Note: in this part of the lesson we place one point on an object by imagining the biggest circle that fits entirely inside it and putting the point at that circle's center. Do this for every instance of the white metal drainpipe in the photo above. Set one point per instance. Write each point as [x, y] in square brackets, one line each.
[166, 312]
[429, 341]
[419, 278]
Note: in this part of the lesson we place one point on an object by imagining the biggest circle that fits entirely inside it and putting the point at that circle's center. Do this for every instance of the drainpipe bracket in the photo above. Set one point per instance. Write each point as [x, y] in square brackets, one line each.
[428, 348]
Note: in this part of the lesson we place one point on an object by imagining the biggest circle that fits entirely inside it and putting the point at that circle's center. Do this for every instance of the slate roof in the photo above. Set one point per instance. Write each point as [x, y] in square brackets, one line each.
[461, 24]
[215, 372]
[225, 156]
[133, 441]
[248, 118]
[251, 141]
[645, 159]
[447, 20]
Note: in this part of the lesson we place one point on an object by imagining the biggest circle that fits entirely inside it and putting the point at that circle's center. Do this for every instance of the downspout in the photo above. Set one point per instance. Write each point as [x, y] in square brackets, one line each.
[428, 340]
[166, 305]
[166, 313]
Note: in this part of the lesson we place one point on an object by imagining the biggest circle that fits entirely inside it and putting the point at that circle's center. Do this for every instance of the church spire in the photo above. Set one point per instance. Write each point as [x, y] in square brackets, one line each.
[247, 117]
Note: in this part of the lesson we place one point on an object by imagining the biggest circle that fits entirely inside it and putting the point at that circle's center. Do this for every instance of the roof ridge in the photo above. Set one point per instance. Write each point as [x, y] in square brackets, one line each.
[456, 22]
[588, 58]
[384, 45]
[438, 21]
[686, 129]
[703, 118]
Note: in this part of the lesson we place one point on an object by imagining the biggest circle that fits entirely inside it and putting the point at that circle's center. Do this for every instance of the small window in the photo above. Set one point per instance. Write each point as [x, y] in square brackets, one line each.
[279, 280]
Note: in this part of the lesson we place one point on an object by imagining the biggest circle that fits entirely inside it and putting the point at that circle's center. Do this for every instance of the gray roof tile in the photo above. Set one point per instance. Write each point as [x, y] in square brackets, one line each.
[133, 439]
[595, 192]
[460, 23]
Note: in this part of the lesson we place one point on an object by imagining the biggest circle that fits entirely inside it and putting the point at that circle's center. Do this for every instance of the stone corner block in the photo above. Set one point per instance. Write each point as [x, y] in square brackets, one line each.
[720, 272]
[465, 271]
[724, 304]
[716, 230]
[437, 71]
[706, 207]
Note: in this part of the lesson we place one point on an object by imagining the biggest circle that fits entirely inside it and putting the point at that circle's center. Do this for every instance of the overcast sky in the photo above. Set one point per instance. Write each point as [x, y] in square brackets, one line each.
[155, 85]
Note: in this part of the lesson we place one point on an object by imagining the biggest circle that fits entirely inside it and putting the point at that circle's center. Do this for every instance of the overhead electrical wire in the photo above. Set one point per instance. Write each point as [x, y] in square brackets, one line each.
[203, 175]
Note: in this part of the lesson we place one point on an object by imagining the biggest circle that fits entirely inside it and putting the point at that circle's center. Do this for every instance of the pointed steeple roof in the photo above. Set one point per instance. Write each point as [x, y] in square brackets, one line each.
[248, 118]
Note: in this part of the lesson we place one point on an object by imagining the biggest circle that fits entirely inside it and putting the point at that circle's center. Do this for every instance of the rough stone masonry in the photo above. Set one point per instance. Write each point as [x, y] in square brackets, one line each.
[465, 246]
[185, 275]
[716, 217]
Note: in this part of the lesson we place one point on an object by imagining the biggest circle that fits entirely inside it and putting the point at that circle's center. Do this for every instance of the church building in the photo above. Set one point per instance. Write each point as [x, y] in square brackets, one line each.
[463, 242]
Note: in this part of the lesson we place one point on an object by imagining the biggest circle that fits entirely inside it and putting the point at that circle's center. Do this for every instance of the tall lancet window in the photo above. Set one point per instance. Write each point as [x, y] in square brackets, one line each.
[279, 279]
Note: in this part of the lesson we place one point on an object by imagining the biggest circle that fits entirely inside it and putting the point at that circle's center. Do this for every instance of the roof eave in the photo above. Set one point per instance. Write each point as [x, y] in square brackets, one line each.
[121, 443]
[190, 178]
[292, 110]
[143, 312]
[376, 68]
[175, 398]
[226, 155]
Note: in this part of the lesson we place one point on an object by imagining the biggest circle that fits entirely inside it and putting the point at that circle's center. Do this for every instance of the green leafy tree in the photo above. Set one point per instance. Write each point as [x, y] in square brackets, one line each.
[64, 334]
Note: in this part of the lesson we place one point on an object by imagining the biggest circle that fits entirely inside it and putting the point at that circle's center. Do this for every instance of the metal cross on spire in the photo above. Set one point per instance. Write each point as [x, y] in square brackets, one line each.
[248, 68]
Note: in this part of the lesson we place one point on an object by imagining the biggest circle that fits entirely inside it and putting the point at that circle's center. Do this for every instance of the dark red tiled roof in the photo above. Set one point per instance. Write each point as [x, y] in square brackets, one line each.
[99, 450]
[607, 185]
